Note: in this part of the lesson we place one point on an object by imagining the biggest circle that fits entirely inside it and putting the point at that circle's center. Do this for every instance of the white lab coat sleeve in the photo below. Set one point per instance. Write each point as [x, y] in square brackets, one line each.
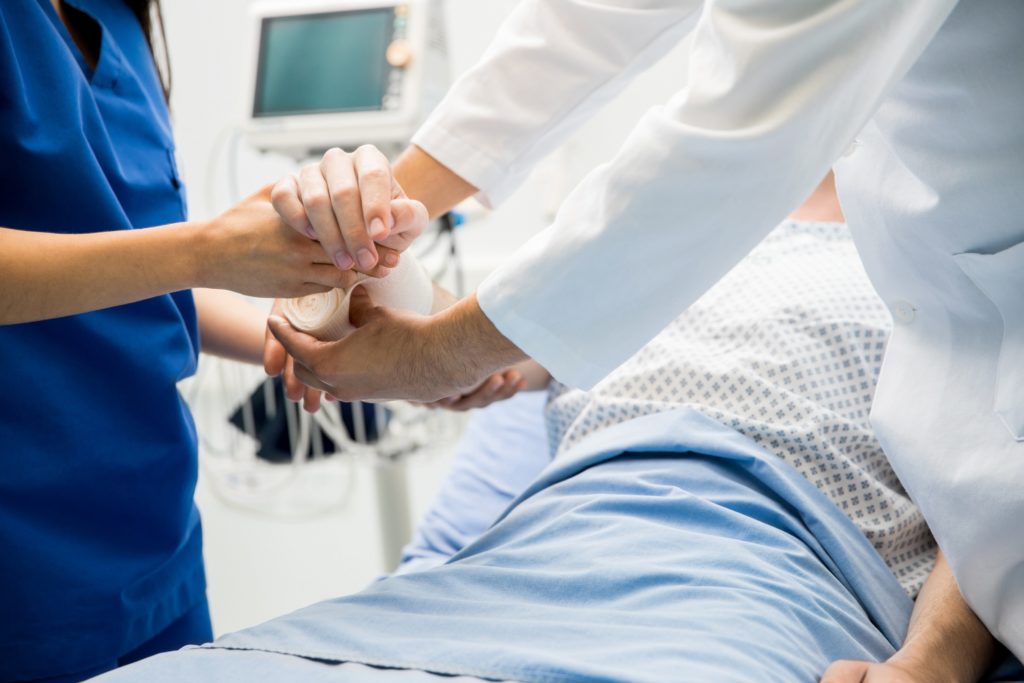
[777, 89]
[551, 65]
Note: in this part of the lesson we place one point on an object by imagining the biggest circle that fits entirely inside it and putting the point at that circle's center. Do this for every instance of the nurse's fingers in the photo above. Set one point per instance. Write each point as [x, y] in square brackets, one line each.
[311, 401]
[389, 258]
[376, 188]
[287, 201]
[317, 200]
[330, 277]
[339, 173]
[274, 356]
[293, 388]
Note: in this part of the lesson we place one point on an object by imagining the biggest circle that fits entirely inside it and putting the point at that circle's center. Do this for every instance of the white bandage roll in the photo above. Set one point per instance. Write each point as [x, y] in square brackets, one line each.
[325, 316]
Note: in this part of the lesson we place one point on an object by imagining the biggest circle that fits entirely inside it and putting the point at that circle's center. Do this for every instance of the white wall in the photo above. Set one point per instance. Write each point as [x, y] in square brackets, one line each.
[258, 567]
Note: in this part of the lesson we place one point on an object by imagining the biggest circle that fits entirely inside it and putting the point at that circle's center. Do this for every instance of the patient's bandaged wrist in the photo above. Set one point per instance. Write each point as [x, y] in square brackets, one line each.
[326, 316]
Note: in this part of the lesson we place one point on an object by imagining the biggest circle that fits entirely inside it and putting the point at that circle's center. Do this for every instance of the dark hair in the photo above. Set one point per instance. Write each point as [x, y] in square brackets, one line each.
[147, 11]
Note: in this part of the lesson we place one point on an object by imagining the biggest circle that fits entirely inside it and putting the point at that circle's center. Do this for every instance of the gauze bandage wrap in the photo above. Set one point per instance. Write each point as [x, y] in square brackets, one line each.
[325, 316]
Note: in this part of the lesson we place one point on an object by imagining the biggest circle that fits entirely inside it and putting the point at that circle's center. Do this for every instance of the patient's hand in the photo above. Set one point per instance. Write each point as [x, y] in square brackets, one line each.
[945, 641]
[352, 205]
[845, 671]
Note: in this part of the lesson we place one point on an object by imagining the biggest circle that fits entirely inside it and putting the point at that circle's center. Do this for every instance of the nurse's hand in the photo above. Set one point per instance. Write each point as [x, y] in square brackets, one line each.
[399, 355]
[248, 249]
[352, 205]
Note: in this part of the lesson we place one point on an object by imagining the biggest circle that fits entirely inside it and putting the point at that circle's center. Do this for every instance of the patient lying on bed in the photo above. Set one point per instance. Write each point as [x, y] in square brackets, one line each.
[716, 510]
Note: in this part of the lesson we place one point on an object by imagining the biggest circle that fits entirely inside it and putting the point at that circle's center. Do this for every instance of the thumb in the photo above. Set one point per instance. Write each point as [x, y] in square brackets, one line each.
[361, 308]
[299, 345]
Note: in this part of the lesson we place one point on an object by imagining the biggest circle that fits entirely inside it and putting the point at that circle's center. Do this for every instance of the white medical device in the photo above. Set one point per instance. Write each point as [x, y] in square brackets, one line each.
[343, 73]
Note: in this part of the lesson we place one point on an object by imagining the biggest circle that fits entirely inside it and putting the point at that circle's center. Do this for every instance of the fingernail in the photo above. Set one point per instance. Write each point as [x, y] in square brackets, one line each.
[311, 232]
[391, 259]
[378, 230]
[365, 258]
[343, 260]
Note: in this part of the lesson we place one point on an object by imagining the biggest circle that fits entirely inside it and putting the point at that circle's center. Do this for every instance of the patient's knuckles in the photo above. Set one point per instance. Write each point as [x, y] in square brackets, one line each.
[283, 194]
[410, 217]
[369, 154]
[376, 177]
[344, 196]
[317, 200]
[335, 155]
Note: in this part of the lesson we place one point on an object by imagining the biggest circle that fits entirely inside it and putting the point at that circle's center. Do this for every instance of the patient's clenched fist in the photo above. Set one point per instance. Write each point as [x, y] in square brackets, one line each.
[352, 205]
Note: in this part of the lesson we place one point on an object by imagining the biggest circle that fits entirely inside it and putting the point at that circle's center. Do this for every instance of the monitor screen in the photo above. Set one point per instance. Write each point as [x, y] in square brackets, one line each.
[321, 63]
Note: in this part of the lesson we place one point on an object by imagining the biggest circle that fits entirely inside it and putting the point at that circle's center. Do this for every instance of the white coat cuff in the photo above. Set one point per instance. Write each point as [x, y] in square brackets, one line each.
[467, 161]
[555, 354]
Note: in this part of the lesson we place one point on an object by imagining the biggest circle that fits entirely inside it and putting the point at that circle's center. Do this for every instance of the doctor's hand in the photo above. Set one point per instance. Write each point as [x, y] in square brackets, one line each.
[501, 386]
[249, 250]
[352, 205]
[277, 362]
[398, 355]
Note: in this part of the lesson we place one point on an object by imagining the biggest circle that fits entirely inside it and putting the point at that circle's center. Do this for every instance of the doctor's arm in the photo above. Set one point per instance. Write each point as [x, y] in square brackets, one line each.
[777, 90]
[495, 124]
[945, 641]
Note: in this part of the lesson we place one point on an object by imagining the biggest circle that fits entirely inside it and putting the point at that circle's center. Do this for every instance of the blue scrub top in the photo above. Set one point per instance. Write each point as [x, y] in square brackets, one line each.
[99, 537]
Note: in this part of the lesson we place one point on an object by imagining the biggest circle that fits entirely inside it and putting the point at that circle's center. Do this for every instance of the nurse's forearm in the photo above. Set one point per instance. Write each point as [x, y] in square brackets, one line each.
[429, 181]
[247, 249]
[229, 326]
[47, 275]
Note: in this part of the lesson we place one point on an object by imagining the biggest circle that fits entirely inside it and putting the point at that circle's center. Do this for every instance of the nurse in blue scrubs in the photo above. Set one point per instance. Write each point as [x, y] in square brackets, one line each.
[100, 542]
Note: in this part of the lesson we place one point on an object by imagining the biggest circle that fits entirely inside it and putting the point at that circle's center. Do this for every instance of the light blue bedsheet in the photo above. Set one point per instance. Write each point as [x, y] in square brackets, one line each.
[666, 548]
[502, 451]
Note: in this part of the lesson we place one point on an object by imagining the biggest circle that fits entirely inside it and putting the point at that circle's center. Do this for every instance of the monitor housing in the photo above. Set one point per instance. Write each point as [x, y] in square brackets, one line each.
[341, 73]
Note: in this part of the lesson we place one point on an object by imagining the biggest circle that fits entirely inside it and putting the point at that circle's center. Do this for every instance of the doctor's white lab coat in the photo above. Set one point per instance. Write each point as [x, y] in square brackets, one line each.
[918, 104]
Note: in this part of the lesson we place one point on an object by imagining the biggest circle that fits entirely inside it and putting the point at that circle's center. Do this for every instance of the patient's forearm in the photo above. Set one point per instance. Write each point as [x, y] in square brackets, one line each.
[427, 180]
[944, 635]
[442, 299]
[535, 376]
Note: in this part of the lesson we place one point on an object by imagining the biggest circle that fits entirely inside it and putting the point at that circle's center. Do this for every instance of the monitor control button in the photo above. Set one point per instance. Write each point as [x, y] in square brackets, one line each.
[399, 54]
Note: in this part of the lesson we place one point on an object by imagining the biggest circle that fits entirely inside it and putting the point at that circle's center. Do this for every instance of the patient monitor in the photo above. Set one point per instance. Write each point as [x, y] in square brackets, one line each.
[343, 73]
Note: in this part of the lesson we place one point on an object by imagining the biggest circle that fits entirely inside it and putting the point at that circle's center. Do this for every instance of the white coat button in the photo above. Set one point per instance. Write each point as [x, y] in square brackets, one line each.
[903, 312]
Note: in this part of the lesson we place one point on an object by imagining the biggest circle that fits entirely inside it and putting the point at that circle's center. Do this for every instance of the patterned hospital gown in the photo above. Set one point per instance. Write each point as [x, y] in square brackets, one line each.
[786, 349]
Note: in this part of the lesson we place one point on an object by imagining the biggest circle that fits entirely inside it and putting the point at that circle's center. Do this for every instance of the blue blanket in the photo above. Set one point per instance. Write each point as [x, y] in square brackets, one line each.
[666, 548]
